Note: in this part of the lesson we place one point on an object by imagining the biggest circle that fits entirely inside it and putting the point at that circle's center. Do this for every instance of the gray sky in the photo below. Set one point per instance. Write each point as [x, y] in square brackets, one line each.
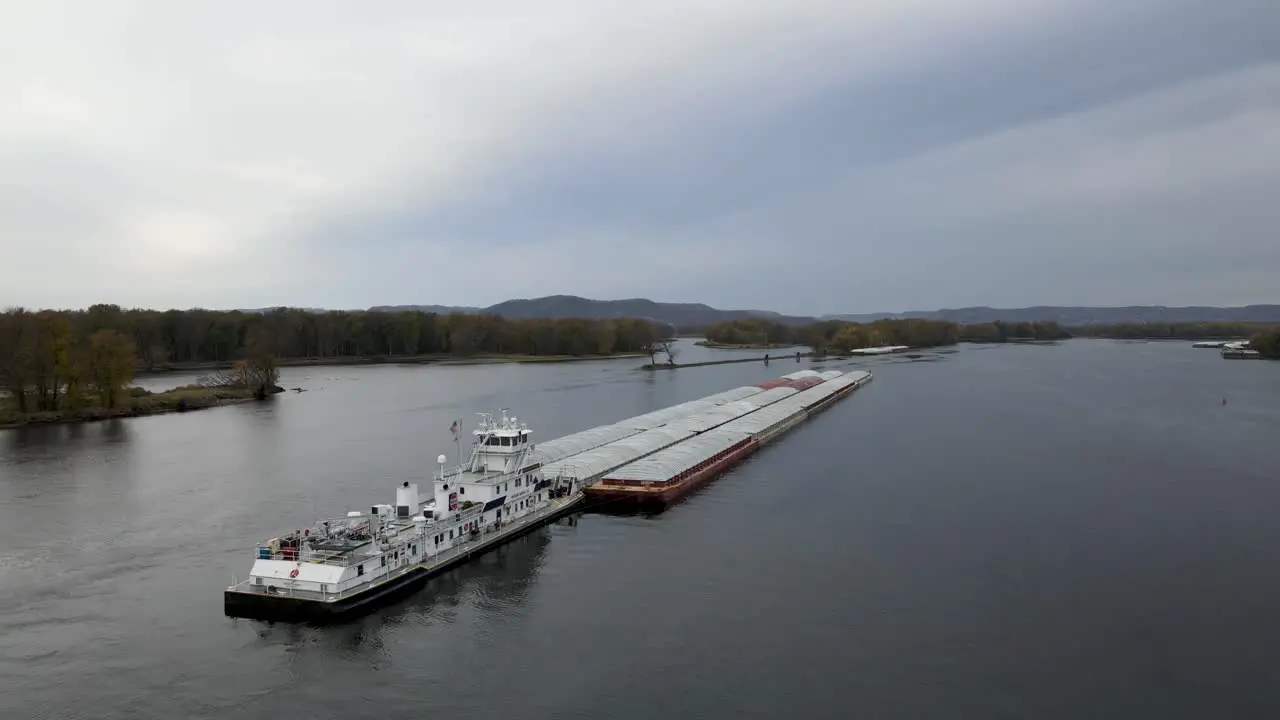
[806, 156]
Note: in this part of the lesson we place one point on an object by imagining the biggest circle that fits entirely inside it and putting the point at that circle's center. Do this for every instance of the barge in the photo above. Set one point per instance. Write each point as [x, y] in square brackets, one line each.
[344, 566]
[1240, 350]
[717, 439]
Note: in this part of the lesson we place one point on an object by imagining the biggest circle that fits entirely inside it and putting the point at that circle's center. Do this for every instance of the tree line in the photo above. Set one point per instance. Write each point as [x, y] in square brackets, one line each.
[49, 355]
[1000, 331]
[841, 335]
[752, 331]
[210, 336]
[1267, 342]
[1171, 331]
[46, 365]
[1263, 337]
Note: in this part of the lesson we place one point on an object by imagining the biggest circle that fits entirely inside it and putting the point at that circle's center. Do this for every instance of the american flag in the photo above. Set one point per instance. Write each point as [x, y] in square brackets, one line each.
[454, 428]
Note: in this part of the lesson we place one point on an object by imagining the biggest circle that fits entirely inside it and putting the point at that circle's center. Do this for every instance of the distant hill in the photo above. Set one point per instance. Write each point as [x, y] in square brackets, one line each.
[437, 309]
[1074, 316]
[680, 315]
[694, 315]
[677, 314]
[697, 315]
[262, 311]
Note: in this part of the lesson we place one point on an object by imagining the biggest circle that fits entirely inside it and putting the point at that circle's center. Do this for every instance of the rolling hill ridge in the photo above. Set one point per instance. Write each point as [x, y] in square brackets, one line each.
[693, 315]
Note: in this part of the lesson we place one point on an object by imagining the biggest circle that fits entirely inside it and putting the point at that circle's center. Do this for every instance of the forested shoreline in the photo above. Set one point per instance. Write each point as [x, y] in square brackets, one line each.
[176, 337]
[1267, 343]
[1172, 331]
[81, 363]
[1263, 337]
[842, 336]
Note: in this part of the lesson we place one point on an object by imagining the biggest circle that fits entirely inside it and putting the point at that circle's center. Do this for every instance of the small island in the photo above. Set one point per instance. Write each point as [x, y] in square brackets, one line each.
[54, 376]
[713, 345]
[71, 366]
[839, 337]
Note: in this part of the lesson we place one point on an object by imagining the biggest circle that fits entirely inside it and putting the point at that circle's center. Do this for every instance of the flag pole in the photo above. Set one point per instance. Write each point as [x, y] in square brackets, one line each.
[457, 439]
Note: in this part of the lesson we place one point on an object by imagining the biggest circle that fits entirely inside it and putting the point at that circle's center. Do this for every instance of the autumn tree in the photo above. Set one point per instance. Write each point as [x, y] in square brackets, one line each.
[1267, 343]
[258, 370]
[112, 358]
[751, 331]
[52, 357]
[853, 337]
[606, 337]
[16, 354]
[47, 358]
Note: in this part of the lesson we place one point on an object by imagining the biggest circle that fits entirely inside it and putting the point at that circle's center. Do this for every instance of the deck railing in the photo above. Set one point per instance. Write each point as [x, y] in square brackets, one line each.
[468, 544]
[307, 555]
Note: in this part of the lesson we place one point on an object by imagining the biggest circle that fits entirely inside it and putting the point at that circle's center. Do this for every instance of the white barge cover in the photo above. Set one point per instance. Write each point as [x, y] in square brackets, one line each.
[666, 464]
[694, 416]
[563, 447]
[596, 462]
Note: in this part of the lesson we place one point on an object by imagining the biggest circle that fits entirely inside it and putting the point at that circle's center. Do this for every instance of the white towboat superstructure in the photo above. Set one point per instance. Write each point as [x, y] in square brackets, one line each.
[340, 565]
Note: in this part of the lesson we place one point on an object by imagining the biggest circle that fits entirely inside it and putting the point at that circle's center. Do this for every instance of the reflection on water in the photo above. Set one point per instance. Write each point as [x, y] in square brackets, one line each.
[57, 441]
[495, 586]
[910, 544]
[57, 435]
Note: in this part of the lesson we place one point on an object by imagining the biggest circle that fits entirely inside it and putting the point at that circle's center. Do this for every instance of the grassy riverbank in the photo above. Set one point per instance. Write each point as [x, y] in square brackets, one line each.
[437, 359]
[139, 403]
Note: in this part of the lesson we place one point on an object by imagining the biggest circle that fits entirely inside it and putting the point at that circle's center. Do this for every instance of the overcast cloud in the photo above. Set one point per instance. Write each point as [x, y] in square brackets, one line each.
[806, 156]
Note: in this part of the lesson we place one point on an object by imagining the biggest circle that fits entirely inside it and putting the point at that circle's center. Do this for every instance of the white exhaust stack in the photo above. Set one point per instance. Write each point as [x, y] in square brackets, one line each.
[407, 500]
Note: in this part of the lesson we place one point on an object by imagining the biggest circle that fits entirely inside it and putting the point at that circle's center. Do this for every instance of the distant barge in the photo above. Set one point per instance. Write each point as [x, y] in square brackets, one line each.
[1217, 344]
[1240, 350]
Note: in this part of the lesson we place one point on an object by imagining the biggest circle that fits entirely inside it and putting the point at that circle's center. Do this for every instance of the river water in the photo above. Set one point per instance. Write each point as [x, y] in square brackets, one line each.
[1067, 531]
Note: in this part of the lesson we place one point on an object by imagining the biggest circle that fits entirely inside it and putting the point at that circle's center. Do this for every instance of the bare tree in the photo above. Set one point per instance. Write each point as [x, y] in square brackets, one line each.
[664, 347]
[669, 348]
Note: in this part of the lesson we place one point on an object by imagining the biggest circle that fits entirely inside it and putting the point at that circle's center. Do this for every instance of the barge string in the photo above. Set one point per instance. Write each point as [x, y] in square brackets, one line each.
[721, 440]
[509, 486]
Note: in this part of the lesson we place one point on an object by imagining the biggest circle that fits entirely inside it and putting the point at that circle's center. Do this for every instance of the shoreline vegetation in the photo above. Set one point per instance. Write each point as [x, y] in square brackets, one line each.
[355, 361]
[79, 366]
[142, 403]
[72, 366]
[839, 336]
